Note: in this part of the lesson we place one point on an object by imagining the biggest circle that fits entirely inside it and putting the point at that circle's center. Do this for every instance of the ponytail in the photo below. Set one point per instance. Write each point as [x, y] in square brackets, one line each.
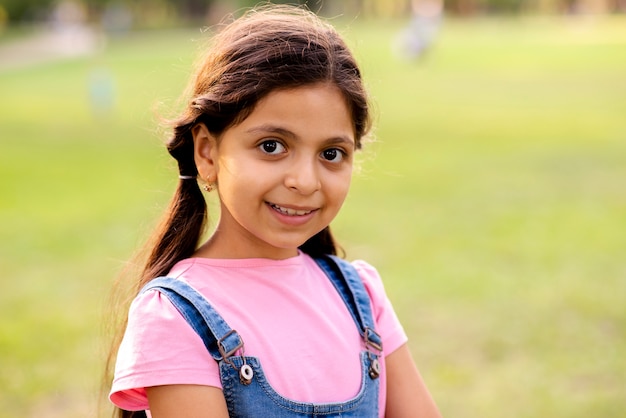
[176, 237]
[179, 233]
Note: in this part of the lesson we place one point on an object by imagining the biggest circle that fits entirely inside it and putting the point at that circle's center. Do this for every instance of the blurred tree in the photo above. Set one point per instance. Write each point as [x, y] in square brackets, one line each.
[156, 11]
[503, 6]
[461, 7]
[25, 10]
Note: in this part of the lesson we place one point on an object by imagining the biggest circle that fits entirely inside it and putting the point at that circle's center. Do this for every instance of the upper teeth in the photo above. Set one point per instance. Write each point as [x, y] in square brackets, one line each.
[291, 212]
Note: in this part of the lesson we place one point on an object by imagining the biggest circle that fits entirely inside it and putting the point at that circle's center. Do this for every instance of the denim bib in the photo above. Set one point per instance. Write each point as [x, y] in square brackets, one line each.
[246, 390]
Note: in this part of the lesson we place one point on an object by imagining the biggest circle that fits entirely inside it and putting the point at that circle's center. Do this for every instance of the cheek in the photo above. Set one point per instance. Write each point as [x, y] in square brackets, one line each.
[241, 181]
[232, 172]
[340, 188]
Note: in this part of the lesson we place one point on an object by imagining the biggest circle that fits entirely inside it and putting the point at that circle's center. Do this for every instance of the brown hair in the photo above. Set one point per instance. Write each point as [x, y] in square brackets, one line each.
[268, 48]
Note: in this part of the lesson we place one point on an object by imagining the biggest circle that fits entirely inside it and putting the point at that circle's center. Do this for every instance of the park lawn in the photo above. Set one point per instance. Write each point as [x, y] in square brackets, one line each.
[492, 201]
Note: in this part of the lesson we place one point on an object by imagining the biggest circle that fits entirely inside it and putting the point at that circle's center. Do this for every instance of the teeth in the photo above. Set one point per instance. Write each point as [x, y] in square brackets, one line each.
[290, 212]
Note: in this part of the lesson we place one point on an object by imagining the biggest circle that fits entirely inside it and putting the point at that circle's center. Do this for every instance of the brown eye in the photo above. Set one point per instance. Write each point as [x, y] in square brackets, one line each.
[272, 147]
[333, 155]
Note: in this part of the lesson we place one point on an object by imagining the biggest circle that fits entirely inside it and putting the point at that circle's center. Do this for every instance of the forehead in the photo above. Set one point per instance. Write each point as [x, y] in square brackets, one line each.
[320, 106]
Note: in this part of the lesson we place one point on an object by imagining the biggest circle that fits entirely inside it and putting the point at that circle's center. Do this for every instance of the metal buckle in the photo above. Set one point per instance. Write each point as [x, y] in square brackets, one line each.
[225, 355]
[374, 367]
[369, 343]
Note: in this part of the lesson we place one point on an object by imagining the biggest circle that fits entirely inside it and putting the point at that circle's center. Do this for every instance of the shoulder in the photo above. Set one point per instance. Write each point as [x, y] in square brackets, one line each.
[366, 270]
[370, 277]
[387, 322]
[158, 348]
[151, 307]
[152, 320]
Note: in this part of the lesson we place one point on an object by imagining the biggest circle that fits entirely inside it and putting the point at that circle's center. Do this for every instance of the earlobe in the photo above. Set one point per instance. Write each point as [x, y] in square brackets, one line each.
[204, 145]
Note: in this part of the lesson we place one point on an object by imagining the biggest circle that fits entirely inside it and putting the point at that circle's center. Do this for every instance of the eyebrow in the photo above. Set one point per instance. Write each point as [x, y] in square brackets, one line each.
[273, 129]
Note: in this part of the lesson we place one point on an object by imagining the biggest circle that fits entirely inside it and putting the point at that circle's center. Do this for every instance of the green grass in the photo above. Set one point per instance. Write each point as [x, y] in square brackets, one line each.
[493, 202]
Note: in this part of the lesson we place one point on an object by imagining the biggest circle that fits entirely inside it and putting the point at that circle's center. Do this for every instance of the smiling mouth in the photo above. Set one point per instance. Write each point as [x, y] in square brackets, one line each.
[289, 211]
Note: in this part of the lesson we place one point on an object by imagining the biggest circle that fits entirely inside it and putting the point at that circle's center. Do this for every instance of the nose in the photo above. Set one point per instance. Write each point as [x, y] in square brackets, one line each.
[303, 177]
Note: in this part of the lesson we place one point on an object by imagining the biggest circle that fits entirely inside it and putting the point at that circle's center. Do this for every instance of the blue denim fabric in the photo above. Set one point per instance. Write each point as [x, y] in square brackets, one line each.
[255, 397]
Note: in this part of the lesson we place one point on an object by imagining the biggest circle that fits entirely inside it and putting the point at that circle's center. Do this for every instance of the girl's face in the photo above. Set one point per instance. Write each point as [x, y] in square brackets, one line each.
[282, 174]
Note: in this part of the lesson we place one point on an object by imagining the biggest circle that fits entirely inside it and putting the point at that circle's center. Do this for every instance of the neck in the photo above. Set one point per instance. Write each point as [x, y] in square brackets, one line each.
[224, 249]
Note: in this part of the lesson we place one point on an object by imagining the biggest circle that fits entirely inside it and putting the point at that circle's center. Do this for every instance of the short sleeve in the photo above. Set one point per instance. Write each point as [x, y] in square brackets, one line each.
[159, 348]
[387, 323]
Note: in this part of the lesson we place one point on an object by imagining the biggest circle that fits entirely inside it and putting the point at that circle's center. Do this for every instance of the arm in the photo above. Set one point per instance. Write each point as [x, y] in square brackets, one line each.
[407, 395]
[186, 401]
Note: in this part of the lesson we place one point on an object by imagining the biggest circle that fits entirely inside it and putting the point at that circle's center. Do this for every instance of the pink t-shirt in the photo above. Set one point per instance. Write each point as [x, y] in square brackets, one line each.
[288, 314]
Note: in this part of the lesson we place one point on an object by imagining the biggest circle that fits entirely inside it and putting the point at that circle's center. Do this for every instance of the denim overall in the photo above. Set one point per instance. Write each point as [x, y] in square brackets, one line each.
[246, 390]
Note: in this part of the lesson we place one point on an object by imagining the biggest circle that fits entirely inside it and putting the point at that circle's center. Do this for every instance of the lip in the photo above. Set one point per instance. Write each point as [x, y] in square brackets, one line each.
[292, 215]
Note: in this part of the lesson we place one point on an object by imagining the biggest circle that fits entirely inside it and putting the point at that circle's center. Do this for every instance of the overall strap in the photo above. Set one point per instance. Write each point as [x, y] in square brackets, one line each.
[221, 341]
[348, 283]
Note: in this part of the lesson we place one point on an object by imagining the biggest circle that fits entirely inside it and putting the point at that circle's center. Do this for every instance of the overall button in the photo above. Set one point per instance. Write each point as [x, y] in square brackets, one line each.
[246, 374]
[374, 368]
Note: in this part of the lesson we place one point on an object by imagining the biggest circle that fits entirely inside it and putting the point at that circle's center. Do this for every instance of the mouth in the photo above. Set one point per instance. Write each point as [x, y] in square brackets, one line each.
[289, 211]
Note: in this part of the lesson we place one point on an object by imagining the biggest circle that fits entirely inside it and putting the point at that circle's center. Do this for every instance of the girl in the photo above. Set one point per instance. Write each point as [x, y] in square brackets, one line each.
[262, 319]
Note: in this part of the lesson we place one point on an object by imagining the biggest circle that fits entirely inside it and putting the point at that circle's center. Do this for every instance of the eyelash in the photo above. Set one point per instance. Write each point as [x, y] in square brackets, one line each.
[271, 141]
[339, 151]
[279, 145]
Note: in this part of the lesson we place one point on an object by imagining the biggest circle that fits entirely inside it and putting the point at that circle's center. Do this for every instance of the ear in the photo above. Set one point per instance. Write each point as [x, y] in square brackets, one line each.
[205, 152]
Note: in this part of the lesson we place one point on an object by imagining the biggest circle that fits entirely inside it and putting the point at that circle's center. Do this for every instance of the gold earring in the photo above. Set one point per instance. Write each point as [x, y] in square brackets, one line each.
[208, 185]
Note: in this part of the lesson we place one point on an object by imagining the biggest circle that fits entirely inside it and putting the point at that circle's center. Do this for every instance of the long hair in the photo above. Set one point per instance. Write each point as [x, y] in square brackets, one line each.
[268, 48]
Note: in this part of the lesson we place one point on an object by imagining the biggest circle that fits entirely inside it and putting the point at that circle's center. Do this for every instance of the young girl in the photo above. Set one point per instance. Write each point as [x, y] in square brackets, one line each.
[263, 319]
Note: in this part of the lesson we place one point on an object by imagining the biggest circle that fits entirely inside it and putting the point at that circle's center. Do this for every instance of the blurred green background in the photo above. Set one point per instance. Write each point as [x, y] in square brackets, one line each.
[493, 201]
